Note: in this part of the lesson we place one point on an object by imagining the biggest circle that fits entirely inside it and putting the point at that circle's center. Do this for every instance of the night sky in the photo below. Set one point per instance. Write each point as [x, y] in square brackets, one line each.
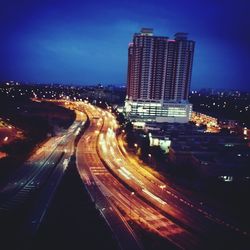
[85, 42]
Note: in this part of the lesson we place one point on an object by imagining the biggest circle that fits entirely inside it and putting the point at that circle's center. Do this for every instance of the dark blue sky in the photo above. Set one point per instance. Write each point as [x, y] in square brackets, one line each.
[86, 42]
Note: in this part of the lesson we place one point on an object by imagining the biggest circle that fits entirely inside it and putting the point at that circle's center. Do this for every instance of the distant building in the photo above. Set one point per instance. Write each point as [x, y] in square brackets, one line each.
[159, 77]
[210, 122]
[212, 155]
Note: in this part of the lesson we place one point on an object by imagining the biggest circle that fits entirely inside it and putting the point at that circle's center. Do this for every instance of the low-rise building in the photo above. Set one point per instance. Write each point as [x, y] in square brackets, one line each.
[212, 155]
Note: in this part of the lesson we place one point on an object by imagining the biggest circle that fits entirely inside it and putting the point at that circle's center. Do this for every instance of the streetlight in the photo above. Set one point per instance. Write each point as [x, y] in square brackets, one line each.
[162, 187]
[132, 193]
[150, 158]
[136, 148]
[149, 155]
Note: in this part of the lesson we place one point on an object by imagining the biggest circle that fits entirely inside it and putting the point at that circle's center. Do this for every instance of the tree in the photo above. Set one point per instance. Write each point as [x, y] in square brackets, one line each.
[130, 135]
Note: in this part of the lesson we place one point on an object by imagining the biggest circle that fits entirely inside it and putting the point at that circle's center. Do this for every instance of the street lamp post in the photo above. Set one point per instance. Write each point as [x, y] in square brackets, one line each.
[132, 193]
[136, 147]
[162, 187]
[150, 158]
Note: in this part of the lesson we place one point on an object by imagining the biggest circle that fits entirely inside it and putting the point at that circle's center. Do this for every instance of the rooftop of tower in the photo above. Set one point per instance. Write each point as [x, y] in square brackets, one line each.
[181, 36]
[147, 31]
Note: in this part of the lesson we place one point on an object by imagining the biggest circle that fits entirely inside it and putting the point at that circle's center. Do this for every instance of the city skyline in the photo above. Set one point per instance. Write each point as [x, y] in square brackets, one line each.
[70, 42]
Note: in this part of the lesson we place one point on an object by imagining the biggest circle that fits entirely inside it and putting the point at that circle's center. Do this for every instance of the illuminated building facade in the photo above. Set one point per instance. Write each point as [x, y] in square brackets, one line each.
[159, 76]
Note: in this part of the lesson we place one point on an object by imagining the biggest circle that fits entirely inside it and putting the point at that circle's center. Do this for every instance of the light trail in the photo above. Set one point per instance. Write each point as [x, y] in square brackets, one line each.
[154, 196]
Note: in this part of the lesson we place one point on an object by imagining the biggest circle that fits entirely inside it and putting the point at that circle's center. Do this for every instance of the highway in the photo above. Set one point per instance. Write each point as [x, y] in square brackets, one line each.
[67, 146]
[37, 181]
[97, 177]
[193, 226]
[123, 190]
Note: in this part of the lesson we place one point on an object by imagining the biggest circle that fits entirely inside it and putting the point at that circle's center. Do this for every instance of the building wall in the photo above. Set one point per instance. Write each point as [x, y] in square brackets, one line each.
[155, 111]
[159, 68]
[184, 62]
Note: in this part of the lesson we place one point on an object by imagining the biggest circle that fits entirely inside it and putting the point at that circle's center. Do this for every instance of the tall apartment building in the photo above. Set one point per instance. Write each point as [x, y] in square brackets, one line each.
[159, 76]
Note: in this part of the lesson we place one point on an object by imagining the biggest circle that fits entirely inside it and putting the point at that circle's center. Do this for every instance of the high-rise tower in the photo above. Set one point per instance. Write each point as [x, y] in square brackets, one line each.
[159, 75]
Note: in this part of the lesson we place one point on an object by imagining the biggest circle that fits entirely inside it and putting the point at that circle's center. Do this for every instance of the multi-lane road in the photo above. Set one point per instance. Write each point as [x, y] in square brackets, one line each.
[123, 190]
[33, 185]
[146, 199]
[99, 181]
[96, 177]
